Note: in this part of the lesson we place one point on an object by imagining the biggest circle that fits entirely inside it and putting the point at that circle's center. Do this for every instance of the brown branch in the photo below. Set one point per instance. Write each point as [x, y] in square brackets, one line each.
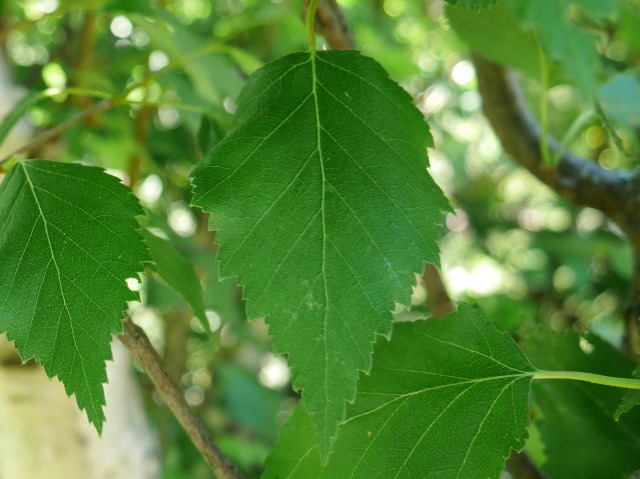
[331, 24]
[583, 182]
[438, 299]
[615, 193]
[138, 344]
[521, 467]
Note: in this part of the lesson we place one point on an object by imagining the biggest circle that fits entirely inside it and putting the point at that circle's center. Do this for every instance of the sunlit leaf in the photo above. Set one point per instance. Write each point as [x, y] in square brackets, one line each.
[325, 212]
[68, 241]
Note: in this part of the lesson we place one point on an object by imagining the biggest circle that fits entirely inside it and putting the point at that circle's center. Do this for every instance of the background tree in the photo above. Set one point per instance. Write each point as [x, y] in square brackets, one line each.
[544, 237]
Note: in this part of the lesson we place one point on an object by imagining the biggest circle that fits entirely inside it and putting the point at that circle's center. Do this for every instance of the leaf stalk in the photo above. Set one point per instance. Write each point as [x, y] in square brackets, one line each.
[626, 383]
[311, 31]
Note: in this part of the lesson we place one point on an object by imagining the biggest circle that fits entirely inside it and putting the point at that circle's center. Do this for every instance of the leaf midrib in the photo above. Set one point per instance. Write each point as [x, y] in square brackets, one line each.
[314, 91]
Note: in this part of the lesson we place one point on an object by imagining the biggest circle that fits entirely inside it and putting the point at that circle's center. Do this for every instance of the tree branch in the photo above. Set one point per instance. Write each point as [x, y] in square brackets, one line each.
[137, 342]
[438, 299]
[521, 467]
[614, 193]
[62, 127]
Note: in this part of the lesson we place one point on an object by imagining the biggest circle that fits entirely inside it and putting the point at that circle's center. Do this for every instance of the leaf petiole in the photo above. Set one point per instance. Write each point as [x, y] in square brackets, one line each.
[311, 31]
[626, 383]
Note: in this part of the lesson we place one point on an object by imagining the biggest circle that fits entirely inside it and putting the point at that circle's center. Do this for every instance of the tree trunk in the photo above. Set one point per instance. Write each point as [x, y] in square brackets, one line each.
[44, 435]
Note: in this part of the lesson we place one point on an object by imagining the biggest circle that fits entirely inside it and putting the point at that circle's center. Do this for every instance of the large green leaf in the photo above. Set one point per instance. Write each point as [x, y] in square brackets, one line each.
[576, 419]
[68, 242]
[325, 212]
[445, 398]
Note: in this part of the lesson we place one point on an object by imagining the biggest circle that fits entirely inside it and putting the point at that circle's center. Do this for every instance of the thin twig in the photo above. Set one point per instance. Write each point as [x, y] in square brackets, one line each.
[137, 342]
[110, 102]
[62, 127]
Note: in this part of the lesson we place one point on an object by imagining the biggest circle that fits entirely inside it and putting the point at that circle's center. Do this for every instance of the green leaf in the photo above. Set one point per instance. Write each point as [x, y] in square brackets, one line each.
[597, 10]
[475, 5]
[18, 111]
[630, 399]
[296, 454]
[564, 40]
[445, 398]
[177, 272]
[68, 242]
[325, 212]
[498, 35]
[620, 99]
[576, 417]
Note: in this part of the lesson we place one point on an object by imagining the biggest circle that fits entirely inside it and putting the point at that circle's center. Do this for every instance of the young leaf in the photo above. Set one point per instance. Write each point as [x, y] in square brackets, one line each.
[177, 272]
[445, 398]
[576, 417]
[68, 242]
[325, 212]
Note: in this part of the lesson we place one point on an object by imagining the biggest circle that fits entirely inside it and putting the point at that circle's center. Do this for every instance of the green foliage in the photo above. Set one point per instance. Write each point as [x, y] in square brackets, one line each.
[630, 399]
[499, 36]
[176, 271]
[324, 167]
[445, 398]
[620, 99]
[325, 212]
[69, 240]
[564, 40]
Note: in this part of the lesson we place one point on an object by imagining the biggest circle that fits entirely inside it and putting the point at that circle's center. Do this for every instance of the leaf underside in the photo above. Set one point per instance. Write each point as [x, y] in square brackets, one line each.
[446, 398]
[68, 242]
[325, 211]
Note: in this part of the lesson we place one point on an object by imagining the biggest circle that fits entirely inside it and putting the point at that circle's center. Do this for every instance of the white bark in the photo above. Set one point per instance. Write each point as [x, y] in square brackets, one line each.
[43, 435]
